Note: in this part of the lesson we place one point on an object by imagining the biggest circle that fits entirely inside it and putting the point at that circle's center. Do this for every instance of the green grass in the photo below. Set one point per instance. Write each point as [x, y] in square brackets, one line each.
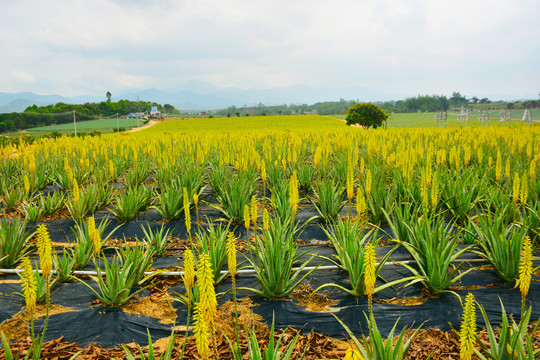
[90, 125]
[518, 114]
[429, 119]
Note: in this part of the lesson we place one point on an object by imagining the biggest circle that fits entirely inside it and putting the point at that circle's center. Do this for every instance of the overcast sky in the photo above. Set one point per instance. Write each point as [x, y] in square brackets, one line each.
[404, 47]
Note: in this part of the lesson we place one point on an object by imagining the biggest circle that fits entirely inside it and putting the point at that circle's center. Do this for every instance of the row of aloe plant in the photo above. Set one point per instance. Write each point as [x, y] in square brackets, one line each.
[114, 290]
[431, 241]
[459, 193]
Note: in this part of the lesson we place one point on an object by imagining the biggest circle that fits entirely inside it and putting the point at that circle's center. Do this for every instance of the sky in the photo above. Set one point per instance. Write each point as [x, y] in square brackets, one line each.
[409, 47]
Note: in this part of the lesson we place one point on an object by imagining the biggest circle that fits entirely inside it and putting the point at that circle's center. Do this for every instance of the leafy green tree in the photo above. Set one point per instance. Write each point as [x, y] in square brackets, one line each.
[108, 96]
[168, 109]
[458, 99]
[367, 115]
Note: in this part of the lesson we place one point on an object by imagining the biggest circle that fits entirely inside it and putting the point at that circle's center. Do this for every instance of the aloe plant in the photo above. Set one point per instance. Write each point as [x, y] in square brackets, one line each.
[350, 241]
[500, 244]
[329, 199]
[462, 195]
[14, 241]
[52, 202]
[83, 248]
[139, 257]
[170, 203]
[137, 174]
[157, 240]
[167, 355]
[381, 199]
[512, 341]
[404, 214]
[213, 242]
[280, 203]
[13, 195]
[129, 203]
[433, 246]
[275, 350]
[64, 266]
[306, 176]
[375, 348]
[275, 254]
[276, 174]
[234, 193]
[115, 289]
[31, 210]
[88, 202]
[407, 190]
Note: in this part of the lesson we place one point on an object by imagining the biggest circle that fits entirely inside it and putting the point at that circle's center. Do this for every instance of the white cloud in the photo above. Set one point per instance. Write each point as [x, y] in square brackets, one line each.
[408, 47]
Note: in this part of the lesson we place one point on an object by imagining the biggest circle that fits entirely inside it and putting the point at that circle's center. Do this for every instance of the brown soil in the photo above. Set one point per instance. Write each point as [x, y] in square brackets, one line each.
[145, 126]
[408, 301]
[60, 214]
[471, 287]
[156, 305]
[161, 285]
[437, 343]
[120, 242]
[312, 301]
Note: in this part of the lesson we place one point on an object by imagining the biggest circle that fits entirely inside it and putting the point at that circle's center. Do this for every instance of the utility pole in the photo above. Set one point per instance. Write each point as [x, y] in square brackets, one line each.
[74, 124]
[117, 126]
[138, 110]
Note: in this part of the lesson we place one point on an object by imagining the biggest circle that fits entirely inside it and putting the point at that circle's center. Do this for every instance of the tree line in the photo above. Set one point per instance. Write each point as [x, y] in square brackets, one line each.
[420, 103]
[61, 113]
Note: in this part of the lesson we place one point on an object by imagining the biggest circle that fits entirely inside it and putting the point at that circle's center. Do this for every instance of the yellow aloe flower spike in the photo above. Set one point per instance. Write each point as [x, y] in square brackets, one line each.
[29, 284]
[266, 220]
[370, 276]
[200, 328]
[525, 267]
[94, 235]
[76, 195]
[253, 209]
[468, 329]
[26, 184]
[207, 294]
[368, 181]
[231, 253]
[186, 213]
[189, 269]
[352, 354]
[45, 250]
[246, 217]
[361, 207]
[515, 188]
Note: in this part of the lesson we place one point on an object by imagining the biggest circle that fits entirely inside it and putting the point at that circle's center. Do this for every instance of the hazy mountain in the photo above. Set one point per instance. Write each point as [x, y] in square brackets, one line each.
[19, 105]
[10, 102]
[198, 95]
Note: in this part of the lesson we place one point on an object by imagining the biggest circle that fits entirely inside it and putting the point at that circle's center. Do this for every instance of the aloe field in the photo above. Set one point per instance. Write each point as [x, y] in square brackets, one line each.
[274, 237]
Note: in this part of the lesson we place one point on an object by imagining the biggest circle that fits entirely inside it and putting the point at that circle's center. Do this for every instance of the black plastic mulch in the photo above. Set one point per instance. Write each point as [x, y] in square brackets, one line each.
[109, 326]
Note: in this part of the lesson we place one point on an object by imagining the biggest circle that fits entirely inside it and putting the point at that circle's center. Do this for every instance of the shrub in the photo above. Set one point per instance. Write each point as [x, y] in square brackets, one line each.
[367, 115]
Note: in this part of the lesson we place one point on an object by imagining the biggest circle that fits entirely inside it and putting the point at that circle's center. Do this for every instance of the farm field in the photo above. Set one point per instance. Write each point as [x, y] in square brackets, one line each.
[101, 124]
[294, 221]
[429, 119]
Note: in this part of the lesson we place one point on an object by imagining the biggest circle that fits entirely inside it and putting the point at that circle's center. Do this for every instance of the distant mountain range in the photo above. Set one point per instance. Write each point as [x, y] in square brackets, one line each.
[197, 95]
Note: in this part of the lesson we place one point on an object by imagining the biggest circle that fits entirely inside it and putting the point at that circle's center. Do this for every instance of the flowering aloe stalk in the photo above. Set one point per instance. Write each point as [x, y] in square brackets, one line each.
[468, 329]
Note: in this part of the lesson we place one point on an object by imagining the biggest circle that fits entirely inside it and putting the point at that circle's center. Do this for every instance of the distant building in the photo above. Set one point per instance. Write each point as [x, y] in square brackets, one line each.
[154, 113]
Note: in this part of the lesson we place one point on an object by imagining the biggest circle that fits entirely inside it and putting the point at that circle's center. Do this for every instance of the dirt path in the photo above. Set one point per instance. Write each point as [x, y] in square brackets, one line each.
[145, 126]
